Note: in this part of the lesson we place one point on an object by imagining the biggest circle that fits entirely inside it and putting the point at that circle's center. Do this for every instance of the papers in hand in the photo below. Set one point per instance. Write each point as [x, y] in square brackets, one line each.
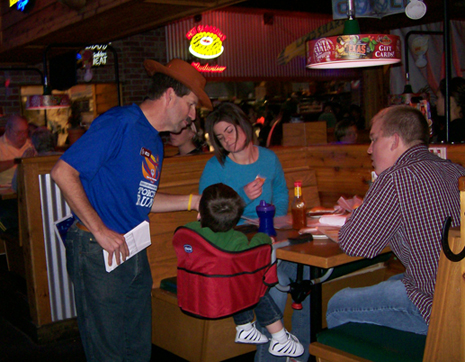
[137, 239]
[349, 205]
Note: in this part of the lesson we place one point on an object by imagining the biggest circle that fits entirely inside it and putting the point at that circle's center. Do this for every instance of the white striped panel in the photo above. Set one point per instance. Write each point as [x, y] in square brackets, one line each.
[60, 287]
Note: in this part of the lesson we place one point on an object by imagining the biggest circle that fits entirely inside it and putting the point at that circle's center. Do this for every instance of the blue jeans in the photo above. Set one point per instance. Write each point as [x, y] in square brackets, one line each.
[384, 304]
[114, 309]
[266, 310]
[287, 273]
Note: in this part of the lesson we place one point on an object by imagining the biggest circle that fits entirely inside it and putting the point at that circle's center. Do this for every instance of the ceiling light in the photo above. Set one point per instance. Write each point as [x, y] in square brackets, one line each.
[352, 49]
[415, 9]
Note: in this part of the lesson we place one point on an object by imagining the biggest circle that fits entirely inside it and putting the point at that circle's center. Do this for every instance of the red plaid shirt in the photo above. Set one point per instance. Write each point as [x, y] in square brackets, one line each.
[405, 208]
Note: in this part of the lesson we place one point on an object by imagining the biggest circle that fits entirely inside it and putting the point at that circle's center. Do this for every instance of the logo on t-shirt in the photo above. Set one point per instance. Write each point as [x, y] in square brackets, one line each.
[151, 168]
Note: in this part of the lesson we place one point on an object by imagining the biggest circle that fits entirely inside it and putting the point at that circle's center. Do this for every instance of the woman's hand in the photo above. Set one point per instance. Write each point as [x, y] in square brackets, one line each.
[254, 189]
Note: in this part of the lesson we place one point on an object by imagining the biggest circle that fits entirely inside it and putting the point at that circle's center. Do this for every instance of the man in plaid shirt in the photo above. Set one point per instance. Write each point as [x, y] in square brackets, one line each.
[404, 209]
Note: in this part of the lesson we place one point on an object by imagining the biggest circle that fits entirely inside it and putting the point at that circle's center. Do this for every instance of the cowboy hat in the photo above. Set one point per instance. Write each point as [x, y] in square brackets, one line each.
[184, 73]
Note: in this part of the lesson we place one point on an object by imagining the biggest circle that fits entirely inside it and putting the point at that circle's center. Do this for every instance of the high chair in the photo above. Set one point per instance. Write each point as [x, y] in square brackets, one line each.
[214, 283]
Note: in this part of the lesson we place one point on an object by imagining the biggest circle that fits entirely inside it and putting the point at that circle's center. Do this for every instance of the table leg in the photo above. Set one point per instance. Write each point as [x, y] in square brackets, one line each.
[316, 309]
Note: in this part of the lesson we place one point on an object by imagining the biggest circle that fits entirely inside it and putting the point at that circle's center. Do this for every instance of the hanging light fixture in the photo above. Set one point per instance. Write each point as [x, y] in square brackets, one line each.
[352, 49]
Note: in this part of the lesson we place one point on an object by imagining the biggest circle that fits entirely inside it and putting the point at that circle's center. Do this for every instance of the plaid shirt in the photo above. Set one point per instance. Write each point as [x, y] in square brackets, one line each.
[405, 208]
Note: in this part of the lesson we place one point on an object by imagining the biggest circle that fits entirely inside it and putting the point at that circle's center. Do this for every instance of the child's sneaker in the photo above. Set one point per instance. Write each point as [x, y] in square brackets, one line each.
[252, 336]
[291, 348]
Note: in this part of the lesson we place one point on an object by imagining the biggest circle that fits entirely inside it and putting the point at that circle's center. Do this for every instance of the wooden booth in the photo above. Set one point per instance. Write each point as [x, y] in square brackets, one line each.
[327, 172]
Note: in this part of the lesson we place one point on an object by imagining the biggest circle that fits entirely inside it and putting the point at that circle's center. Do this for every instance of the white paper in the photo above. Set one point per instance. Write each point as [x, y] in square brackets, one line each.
[137, 239]
[333, 220]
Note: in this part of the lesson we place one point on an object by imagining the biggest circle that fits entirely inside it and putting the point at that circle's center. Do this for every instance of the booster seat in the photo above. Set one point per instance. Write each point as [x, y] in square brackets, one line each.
[215, 283]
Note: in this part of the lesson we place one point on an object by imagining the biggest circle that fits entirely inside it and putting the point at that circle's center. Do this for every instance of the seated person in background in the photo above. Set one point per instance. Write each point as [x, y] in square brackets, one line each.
[43, 144]
[187, 141]
[220, 209]
[346, 131]
[404, 209]
[12, 145]
[356, 113]
[328, 116]
[457, 108]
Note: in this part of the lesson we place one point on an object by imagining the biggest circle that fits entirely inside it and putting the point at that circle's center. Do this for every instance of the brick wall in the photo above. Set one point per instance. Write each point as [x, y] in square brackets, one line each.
[131, 52]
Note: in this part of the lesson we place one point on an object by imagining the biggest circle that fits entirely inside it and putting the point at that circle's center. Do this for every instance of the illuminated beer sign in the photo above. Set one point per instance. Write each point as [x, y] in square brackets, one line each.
[22, 4]
[206, 41]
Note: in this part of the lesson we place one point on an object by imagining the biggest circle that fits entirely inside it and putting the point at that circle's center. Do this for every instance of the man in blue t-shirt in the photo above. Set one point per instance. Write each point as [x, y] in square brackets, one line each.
[109, 178]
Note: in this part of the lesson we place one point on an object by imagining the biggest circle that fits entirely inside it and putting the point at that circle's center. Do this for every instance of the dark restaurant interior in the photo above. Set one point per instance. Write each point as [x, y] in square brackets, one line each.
[65, 62]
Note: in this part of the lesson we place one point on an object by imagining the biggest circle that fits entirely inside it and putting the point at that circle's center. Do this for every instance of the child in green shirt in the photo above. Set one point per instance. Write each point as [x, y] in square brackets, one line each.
[220, 209]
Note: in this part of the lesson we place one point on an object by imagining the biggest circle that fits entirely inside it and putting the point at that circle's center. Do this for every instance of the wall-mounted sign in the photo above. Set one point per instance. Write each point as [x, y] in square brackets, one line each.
[206, 68]
[22, 5]
[100, 54]
[206, 41]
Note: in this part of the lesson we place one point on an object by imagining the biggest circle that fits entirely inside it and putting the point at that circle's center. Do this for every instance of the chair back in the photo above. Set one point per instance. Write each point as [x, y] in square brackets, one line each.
[214, 283]
[446, 333]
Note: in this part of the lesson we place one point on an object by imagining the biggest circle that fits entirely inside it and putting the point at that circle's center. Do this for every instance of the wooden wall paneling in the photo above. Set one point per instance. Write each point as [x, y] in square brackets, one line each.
[376, 87]
[341, 170]
[304, 134]
[32, 237]
[105, 97]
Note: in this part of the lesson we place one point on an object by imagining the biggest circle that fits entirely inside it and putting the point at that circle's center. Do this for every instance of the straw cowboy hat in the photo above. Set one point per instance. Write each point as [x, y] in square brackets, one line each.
[184, 73]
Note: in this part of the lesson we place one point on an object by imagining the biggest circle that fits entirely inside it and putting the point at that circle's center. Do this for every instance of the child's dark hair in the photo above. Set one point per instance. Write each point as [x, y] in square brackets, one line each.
[220, 207]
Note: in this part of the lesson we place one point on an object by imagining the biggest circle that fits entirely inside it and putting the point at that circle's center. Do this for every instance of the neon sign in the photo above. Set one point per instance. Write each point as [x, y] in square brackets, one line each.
[206, 41]
[21, 4]
[208, 68]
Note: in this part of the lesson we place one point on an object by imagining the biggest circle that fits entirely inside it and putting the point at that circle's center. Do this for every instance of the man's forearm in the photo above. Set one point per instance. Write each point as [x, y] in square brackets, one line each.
[67, 178]
[166, 202]
[6, 164]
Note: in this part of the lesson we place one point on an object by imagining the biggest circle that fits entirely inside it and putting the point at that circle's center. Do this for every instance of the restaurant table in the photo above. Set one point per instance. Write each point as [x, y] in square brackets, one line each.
[7, 193]
[319, 254]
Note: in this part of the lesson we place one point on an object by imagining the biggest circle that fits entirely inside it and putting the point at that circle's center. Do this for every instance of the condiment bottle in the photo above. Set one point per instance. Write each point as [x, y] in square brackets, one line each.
[298, 208]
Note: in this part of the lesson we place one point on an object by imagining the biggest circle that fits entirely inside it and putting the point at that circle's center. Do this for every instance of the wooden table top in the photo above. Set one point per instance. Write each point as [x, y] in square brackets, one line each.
[323, 253]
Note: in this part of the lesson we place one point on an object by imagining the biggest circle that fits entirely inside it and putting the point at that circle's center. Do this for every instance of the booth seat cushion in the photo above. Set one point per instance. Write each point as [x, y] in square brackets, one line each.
[375, 343]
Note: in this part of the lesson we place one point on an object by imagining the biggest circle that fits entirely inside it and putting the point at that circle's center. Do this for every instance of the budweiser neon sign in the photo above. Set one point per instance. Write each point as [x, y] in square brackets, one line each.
[206, 68]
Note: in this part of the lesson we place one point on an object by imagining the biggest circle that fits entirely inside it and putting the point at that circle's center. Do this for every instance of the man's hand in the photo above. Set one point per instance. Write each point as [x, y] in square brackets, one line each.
[114, 243]
[254, 189]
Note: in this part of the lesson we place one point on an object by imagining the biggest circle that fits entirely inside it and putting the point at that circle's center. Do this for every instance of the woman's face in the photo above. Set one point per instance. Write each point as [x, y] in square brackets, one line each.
[440, 107]
[231, 137]
[351, 135]
[455, 111]
[181, 138]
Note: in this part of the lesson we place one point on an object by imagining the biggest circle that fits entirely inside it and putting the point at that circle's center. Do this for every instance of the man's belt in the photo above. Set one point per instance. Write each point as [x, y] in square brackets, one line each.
[82, 227]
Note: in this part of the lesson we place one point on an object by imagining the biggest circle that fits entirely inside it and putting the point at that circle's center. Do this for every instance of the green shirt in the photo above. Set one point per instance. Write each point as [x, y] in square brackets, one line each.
[230, 240]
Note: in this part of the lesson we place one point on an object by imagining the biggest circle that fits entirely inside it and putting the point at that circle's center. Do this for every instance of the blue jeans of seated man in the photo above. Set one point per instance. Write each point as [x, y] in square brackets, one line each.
[114, 309]
[384, 304]
[287, 273]
[266, 310]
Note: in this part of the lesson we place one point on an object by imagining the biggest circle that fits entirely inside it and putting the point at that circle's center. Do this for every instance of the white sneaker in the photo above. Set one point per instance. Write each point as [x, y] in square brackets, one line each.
[291, 348]
[252, 336]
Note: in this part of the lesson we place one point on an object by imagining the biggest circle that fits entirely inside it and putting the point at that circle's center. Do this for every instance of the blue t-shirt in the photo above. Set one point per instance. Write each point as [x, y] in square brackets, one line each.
[119, 160]
[237, 176]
